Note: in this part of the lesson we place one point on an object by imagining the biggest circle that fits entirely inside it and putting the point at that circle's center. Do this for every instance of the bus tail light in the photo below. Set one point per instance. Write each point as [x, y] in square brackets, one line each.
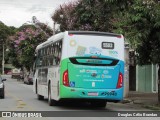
[65, 78]
[119, 36]
[70, 34]
[120, 81]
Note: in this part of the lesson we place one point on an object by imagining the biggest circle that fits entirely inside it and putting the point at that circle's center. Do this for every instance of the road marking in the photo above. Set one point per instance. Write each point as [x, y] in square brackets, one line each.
[20, 103]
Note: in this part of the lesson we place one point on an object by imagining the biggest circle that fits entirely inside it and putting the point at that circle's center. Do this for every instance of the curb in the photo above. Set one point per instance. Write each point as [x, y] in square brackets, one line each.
[142, 104]
[126, 101]
[151, 107]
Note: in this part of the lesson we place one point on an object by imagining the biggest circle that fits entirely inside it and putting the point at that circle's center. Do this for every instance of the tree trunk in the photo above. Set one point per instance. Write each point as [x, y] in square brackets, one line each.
[159, 84]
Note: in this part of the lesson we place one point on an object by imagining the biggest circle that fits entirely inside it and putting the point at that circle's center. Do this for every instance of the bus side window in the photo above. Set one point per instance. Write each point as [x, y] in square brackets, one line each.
[44, 61]
[54, 60]
[51, 60]
[39, 62]
[60, 50]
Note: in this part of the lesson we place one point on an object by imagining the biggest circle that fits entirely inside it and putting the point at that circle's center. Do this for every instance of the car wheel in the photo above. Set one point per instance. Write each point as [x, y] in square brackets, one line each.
[28, 83]
[2, 95]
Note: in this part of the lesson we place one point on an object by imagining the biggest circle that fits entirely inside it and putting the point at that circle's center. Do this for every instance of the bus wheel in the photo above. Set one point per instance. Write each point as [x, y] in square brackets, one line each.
[101, 104]
[3, 94]
[36, 87]
[40, 97]
[50, 101]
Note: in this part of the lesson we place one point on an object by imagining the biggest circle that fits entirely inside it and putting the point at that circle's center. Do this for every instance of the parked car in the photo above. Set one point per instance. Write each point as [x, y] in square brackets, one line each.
[16, 73]
[28, 79]
[21, 76]
[2, 87]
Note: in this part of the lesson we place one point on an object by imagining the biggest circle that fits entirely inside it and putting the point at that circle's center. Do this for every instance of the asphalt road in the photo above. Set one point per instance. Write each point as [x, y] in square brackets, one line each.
[20, 97]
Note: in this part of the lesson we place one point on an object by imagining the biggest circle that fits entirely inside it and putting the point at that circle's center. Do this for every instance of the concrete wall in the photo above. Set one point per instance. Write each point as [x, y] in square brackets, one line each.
[126, 71]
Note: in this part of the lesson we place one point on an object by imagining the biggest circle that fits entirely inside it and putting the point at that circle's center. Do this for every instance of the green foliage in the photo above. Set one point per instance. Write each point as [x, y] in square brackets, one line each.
[92, 15]
[65, 16]
[150, 48]
[130, 22]
[83, 15]
[5, 31]
[139, 22]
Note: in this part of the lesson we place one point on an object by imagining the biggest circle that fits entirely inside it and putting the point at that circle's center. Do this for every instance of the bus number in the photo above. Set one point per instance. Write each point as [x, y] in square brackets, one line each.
[112, 93]
[107, 45]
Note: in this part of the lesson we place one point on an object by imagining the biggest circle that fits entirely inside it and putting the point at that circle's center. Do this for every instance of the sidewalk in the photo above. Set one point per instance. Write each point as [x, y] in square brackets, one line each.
[147, 100]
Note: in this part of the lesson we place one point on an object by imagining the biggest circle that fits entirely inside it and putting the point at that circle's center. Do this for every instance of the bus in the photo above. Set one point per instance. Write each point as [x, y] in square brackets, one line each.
[80, 65]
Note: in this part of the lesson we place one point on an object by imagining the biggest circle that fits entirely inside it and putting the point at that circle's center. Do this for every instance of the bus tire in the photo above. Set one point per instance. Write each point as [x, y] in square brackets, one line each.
[40, 97]
[101, 104]
[3, 94]
[36, 90]
[51, 102]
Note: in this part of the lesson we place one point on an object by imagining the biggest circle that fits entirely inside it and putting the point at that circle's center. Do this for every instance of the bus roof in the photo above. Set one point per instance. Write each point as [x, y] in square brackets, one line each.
[51, 39]
[96, 33]
[61, 35]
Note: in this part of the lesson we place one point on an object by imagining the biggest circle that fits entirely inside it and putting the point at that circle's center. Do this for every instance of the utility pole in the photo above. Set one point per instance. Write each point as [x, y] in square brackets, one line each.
[3, 61]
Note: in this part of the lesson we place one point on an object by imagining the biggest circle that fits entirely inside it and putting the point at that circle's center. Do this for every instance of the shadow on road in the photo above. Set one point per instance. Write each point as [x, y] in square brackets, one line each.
[76, 105]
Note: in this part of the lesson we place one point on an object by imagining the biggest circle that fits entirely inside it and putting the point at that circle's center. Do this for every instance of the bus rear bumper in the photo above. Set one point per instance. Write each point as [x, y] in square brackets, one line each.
[80, 93]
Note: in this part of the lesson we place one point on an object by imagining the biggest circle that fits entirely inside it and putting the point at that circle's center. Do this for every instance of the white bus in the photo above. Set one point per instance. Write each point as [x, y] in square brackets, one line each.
[82, 65]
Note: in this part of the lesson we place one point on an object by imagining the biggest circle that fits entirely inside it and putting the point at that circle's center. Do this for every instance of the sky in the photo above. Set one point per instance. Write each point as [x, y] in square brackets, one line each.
[17, 12]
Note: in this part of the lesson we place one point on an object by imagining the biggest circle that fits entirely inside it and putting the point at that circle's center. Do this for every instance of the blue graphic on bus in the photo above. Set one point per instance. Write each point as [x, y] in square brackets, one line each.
[72, 84]
[95, 51]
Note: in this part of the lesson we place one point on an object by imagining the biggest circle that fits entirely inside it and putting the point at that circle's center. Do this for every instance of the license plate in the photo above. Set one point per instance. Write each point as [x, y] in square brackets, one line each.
[92, 94]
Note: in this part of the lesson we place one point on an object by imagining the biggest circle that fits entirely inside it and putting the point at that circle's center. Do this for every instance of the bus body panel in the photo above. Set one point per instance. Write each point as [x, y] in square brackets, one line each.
[89, 78]
[93, 77]
[54, 78]
[83, 85]
[81, 93]
[82, 45]
[47, 75]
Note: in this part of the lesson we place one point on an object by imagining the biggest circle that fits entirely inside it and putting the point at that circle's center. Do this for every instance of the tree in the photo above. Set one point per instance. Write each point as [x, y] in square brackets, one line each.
[23, 44]
[65, 17]
[140, 23]
[5, 31]
[91, 15]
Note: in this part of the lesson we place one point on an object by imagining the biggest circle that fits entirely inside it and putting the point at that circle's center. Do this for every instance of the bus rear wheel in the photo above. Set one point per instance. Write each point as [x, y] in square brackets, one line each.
[40, 97]
[100, 103]
[51, 102]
